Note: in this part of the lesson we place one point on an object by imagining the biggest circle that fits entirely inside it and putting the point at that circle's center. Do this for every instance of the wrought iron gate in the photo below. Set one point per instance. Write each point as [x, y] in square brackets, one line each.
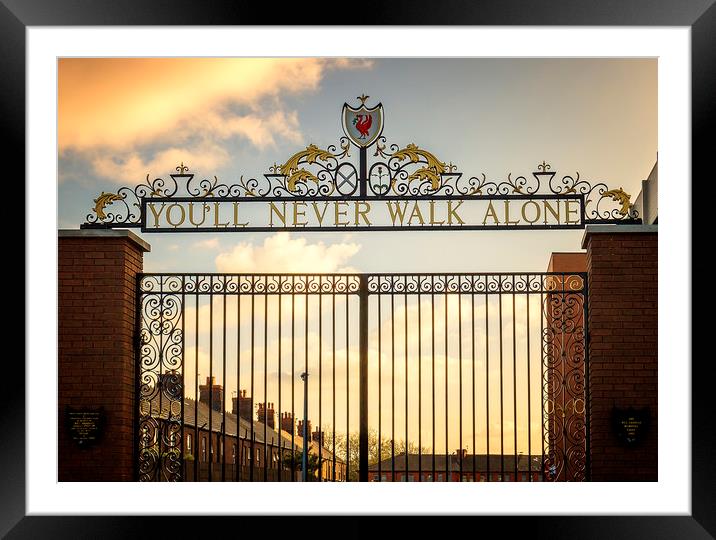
[410, 377]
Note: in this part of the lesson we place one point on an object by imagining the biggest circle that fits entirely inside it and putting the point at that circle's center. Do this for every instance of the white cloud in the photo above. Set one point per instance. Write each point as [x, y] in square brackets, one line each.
[209, 243]
[130, 167]
[281, 253]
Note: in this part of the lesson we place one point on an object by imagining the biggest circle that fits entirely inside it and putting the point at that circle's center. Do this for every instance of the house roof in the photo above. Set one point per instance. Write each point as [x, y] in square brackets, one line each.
[424, 462]
[198, 410]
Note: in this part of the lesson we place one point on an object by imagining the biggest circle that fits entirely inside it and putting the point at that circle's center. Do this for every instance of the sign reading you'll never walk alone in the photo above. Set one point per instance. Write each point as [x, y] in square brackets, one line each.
[388, 187]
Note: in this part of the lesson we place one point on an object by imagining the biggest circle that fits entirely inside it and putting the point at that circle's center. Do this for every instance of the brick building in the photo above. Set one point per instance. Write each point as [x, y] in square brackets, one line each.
[212, 449]
[457, 467]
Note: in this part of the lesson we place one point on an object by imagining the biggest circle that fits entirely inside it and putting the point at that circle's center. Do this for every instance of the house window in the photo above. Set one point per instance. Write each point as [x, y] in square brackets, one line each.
[440, 477]
[233, 453]
[411, 478]
[384, 478]
[203, 448]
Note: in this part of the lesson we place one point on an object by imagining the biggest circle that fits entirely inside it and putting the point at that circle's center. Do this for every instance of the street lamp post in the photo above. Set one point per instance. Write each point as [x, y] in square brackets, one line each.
[304, 459]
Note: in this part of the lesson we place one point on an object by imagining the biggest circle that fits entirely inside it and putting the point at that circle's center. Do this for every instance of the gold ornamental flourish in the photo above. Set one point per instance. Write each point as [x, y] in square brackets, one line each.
[295, 174]
[620, 196]
[434, 167]
[104, 200]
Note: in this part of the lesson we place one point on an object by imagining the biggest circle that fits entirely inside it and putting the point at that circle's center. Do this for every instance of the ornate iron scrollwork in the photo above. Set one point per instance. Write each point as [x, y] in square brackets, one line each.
[407, 172]
[161, 391]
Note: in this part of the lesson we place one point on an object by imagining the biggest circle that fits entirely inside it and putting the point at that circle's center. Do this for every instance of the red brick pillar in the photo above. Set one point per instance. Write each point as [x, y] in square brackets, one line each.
[96, 320]
[622, 266]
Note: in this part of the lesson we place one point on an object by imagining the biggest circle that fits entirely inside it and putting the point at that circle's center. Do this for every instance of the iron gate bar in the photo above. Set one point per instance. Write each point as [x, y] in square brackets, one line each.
[363, 386]
[252, 451]
[280, 413]
[529, 394]
[392, 388]
[514, 370]
[293, 378]
[239, 461]
[502, 423]
[211, 379]
[223, 396]
[348, 388]
[266, 456]
[487, 380]
[542, 372]
[472, 327]
[432, 331]
[333, 376]
[420, 390]
[380, 391]
[459, 354]
[405, 299]
[320, 378]
[447, 447]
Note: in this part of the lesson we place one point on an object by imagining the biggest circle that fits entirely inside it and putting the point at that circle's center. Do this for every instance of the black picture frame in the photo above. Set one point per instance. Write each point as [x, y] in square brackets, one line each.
[699, 15]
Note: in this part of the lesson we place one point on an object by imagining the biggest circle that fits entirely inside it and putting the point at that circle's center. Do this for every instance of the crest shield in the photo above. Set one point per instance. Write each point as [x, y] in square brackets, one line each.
[362, 125]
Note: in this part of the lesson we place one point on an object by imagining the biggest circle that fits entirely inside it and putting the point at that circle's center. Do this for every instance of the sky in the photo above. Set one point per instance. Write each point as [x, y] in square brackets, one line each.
[123, 119]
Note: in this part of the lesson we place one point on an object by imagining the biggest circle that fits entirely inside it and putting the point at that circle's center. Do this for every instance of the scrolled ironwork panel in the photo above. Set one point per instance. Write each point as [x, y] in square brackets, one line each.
[564, 371]
[160, 369]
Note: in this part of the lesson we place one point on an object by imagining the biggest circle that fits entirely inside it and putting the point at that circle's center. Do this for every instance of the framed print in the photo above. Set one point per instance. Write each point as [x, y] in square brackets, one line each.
[319, 264]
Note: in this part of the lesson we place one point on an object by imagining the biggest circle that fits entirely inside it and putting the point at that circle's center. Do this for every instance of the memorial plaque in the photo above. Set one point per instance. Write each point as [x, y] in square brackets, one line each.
[630, 425]
[85, 425]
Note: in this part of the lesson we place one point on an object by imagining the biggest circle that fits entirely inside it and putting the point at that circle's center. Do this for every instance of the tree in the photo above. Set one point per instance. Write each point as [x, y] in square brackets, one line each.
[294, 461]
[376, 452]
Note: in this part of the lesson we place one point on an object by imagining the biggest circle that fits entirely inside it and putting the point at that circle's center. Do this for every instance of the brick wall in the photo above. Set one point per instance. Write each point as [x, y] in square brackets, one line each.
[96, 319]
[622, 266]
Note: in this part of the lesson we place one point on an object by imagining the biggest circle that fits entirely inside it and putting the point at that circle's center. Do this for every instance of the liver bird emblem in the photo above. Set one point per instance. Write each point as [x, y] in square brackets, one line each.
[362, 122]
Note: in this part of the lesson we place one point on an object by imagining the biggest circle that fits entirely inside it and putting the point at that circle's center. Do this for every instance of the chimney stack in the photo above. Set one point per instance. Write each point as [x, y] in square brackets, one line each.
[266, 415]
[300, 428]
[318, 436]
[244, 406]
[287, 423]
[212, 392]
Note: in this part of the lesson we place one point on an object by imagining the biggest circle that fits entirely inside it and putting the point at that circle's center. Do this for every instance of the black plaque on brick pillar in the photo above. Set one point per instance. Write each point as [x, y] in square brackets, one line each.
[85, 425]
[631, 425]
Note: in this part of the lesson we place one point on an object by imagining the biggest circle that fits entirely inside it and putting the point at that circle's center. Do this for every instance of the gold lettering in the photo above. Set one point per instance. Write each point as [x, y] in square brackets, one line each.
[555, 213]
[156, 214]
[169, 214]
[507, 214]
[416, 213]
[204, 210]
[319, 215]
[432, 215]
[297, 214]
[453, 212]
[569, 211]
[337, 222]
[524, 215]
[398, 212]
[280, 214]
[362, 213]
[236, 216]
[216, 217]
[491, 212]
